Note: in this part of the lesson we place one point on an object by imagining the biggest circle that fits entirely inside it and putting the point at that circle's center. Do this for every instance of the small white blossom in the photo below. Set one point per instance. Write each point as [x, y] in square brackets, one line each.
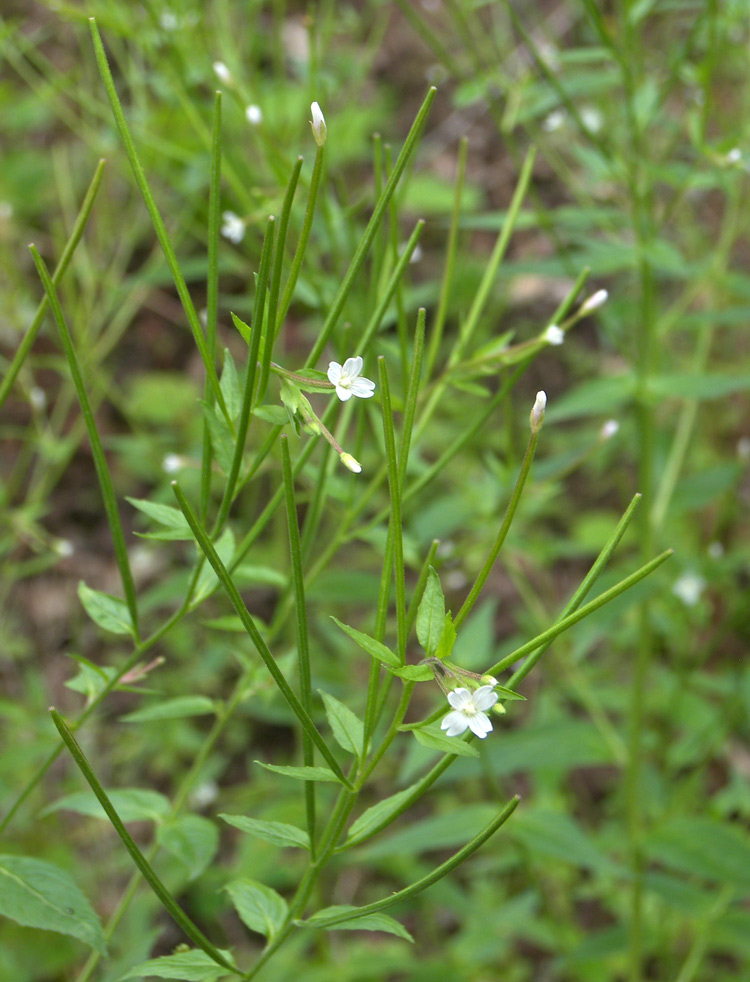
[609, 429]
[734, 156]
[64, 548]
[554, 121]
[537, 411]
[469, 711]
[689, 588]
[592, 119]
[233, 227]
[37, 398]
[348, 381]
[318, 124]
[222, 72]
[554, 335]
[254, 115]
[168, 20]
[348, 461]
[205, 794]
[172, 463]
[593, 303]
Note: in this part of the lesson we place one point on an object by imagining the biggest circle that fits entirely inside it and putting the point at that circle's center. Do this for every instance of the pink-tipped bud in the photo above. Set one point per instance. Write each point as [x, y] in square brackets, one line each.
[593, 303]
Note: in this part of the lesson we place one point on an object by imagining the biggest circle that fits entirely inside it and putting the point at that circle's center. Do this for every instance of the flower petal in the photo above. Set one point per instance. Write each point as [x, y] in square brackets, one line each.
[363, 388]
[485, 697]
[353, 366]
[334, 372]
[480, 725]
[458, 698]
[454, 724]
[344, 394]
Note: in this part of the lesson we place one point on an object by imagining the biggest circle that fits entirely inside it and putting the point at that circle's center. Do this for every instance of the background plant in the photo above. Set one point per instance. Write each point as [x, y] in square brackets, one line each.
[649, 194]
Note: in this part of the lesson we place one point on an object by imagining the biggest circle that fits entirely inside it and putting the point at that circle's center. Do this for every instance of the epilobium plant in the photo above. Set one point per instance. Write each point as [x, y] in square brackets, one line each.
[252, 429]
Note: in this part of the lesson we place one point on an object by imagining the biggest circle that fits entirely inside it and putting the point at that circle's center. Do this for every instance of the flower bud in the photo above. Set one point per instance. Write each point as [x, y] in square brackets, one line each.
[595, 301]
[489, 680]
[537, 412]
[499, 709]
[348, 461]
[222, 72]
[318, 124]
[609, 429]
[254, 115]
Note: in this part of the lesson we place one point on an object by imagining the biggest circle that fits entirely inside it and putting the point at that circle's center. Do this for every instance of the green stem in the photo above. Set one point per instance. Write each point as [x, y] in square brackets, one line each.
[97, 450]
[67, 254]
[173, 909]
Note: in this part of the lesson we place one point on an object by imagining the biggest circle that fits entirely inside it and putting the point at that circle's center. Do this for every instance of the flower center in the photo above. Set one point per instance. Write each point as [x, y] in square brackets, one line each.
[345, 382]
[470, 709]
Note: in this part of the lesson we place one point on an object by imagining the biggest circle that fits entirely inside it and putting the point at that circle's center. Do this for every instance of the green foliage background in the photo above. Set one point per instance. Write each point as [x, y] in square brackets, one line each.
[628, 857]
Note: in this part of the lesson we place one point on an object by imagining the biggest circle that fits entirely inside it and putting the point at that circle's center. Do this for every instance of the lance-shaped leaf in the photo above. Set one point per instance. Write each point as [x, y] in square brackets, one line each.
[259, 907]
[431, 614]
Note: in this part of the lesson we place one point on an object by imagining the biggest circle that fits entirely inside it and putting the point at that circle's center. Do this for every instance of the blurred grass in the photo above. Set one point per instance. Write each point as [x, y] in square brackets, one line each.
[636, 115]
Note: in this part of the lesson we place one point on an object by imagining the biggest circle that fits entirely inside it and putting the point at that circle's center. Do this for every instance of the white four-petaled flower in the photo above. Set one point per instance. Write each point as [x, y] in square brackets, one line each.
[348, 381]
[469, 711]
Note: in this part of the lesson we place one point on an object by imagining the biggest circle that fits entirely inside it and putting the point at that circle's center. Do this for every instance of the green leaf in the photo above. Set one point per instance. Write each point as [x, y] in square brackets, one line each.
[301, 773]
[91, 678]
[703, 847]
[230, 386]
[704, 386]
[374, 648]
[509, 694]
[192, 839]
[131, 804]
[447, 639]
[431, 614]
[222, 440]
[243, 328]
[259, 907]
[414, 673]
[177, 708]
[290, 396]
[278, 833]
[110, 613]
[378, 815]
[554, 835]
[272, 414]
[165, 515]
[447, 830]
[208, 580]
[187, 966]
[435, 739]
[367, 922]
[601, 396]
[348, 729]
[36, 893]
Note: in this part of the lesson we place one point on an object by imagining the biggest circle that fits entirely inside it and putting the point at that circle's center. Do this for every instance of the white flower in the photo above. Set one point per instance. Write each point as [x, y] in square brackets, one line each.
[318, 124]
[734, 156]
[689, 588]
[609, 429]
[233, 227]
[64, 548]
[347, 379]
[254, 115]
[554, 335]
[594, 301]
[592, 119]
[222, 72]
[469, 711]
[172, 463]
[554, 121]
[537, 411]
[37, 397]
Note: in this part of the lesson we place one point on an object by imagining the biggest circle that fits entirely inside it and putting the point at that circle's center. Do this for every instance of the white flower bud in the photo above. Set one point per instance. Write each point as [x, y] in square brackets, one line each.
[348, 461]
[554, 335]
[37, 398]
[222, 72]
[537, 412]
[609, 429]
[593, 303]
[318, 124]
[254, 115]
[64, 548]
